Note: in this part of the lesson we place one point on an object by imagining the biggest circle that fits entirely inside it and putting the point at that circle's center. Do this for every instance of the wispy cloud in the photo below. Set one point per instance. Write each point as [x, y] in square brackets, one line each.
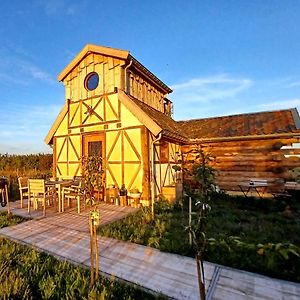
[282, 104]
[206, 89]
[23, 128]
[293, 84]
[57, 7]
[24, 72]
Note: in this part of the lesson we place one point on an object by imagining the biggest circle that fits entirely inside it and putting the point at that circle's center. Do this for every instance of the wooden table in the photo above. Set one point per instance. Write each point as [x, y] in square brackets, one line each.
[59, 184]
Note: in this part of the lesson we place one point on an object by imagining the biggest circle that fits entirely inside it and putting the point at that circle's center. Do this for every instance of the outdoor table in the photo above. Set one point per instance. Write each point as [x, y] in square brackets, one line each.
[247, 187]
[292, 186]
[59, 184]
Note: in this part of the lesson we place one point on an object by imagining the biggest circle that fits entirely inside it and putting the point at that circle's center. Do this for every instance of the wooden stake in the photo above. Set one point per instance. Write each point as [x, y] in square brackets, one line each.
[92, 252]
[94, 220]
[97, 253]
[200, 272]
[190, 219]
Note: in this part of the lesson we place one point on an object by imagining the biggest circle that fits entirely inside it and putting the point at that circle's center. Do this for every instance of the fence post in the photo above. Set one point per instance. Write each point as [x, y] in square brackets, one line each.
[190, 219]
[94, 221]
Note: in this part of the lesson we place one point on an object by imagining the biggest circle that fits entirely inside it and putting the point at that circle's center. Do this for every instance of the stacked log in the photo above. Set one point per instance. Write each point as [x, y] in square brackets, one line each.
[236, 162]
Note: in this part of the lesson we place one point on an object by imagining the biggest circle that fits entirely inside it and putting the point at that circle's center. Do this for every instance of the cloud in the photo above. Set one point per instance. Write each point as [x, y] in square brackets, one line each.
[58, 7]
[293, 84]
[207, 89]
[35, 72]
[23, 128]
[24, 72]
[282, 104]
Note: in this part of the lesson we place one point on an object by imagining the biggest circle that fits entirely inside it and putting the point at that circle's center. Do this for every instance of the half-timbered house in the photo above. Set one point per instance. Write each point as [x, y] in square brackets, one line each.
[116, 108]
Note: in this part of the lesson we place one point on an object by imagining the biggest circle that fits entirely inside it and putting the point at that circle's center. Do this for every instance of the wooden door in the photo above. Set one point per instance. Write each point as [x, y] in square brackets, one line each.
[94, 145]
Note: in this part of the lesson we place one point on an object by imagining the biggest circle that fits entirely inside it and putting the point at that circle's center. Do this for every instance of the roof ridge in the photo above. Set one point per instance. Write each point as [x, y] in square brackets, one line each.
[238, 115]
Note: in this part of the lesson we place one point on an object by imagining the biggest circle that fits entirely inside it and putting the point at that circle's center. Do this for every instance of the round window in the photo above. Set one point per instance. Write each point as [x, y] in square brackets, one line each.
[91, 81]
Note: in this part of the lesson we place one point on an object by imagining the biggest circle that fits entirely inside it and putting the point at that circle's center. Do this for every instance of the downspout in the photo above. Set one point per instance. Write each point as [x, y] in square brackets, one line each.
[152, 173]
[126, 81]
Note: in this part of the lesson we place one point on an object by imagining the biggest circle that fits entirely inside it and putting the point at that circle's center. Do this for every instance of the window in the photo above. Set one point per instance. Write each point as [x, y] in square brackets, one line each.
[164, 152]
[91, 81]
[95, 148]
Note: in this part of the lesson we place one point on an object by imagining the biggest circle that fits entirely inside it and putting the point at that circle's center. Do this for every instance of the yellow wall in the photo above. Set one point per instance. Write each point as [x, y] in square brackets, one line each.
[122, 130]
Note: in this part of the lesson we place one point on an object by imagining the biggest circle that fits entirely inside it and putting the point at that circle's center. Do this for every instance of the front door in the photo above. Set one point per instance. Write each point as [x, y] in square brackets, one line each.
[94, 145]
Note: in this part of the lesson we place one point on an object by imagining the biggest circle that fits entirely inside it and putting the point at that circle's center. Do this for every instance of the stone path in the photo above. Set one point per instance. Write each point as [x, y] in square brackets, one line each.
[66, 236]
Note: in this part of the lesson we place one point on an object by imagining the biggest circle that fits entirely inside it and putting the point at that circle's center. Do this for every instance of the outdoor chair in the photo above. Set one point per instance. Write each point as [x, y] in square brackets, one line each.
[71, 193]
[38, 193]
[23, 188]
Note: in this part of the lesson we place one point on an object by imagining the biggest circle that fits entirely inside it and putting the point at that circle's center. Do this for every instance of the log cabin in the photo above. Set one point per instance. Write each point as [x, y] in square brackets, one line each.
[263, 145]
[116, 108]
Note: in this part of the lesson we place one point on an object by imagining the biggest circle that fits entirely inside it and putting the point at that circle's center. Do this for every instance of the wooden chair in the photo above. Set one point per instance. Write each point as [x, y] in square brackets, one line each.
[74, 192]
[37, 192]
[23, 188]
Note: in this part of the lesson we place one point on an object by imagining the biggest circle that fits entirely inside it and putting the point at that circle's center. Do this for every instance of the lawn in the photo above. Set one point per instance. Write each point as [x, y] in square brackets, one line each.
[28, 274]
[250, 234]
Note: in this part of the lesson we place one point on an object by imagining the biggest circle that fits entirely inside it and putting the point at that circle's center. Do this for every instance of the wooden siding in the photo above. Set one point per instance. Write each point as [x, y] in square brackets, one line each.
[146, 92]
[238, 161]
[108, 69]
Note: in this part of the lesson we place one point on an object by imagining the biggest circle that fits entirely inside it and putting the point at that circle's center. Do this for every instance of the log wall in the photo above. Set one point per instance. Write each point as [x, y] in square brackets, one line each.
[238, 161]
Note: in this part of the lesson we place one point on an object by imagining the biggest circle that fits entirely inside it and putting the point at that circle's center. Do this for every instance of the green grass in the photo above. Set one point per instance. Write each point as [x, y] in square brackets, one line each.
[28, 274]
[237, 224]
[9, 220]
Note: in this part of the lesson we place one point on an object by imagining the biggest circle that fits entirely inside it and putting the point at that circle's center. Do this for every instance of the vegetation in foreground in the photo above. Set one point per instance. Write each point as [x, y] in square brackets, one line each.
[28, 274]
[9, 220]
[251, 234]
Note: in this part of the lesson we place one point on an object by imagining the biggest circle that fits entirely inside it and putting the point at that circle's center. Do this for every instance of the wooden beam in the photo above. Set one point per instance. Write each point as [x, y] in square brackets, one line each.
[145, 163]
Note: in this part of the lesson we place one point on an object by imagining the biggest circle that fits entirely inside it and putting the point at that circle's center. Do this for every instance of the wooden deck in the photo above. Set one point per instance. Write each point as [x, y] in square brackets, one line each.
[66, 236]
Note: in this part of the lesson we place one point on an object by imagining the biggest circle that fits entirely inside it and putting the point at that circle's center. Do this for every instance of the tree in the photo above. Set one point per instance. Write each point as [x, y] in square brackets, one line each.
[92, 177]
[204, 176]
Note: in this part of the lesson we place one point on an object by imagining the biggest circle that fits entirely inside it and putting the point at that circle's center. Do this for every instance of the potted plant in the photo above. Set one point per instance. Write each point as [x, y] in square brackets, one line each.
[135, 194]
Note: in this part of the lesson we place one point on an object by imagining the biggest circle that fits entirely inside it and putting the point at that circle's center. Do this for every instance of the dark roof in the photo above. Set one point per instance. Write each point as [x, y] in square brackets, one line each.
[261, 123]
[170, 127]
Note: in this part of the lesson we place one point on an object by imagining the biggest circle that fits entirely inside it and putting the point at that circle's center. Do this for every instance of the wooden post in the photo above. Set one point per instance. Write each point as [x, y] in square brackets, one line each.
[92, 251]
[94, 221]
[7, 200]
[200, 272]
[190, 220]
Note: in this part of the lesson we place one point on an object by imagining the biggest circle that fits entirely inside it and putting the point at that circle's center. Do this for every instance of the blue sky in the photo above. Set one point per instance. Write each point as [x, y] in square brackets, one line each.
[220, 57]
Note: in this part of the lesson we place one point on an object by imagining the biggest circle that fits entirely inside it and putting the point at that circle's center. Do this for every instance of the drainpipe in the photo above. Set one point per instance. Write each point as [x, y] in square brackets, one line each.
[152, 173]
[126, 80]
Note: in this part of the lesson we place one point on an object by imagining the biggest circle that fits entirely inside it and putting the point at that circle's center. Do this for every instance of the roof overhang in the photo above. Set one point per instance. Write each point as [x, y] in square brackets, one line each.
[117, 53]
[139, 113]
[55, 125]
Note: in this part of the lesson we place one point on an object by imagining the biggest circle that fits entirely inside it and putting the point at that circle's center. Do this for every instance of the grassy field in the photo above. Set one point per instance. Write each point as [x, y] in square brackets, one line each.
[28, 274]
[250, 234]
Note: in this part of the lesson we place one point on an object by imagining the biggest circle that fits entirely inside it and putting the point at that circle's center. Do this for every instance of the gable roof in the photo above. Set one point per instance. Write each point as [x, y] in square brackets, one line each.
[154, 120]
[117, 53]
[164, 124]
[252, 124]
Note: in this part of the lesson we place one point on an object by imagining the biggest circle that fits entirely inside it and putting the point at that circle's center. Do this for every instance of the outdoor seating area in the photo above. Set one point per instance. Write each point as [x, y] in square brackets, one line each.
[256, 187]
[41, 197]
